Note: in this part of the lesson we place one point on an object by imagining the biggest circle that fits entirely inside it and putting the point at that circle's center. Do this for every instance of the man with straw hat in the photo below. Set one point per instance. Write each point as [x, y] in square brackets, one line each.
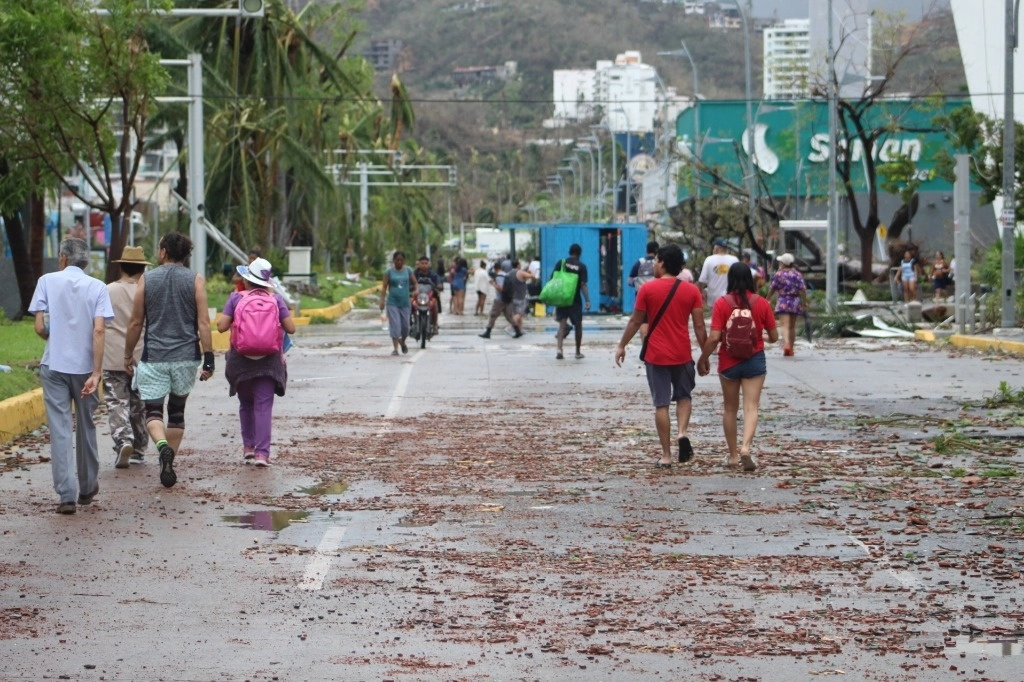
[125, 410]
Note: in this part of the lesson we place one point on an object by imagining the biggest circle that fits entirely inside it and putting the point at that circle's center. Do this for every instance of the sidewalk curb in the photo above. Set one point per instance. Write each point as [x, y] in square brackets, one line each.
[978, 342]
[21, 414]
[26, 412]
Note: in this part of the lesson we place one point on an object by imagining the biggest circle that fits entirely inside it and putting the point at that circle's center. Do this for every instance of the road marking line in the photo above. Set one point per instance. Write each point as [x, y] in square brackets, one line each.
[395, 406]
[320, 564]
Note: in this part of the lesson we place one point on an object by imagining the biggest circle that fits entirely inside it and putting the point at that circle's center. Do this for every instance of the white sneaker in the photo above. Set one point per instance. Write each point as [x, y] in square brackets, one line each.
[124, 454]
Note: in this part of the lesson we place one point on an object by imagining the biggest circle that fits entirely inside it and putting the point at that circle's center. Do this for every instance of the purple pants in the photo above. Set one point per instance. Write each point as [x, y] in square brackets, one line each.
[255, 411]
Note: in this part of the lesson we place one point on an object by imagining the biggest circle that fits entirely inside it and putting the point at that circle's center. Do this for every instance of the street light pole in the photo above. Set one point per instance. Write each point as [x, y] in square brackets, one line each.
[752, 156]
[1009, 317]
[832, 247]
[695, 171]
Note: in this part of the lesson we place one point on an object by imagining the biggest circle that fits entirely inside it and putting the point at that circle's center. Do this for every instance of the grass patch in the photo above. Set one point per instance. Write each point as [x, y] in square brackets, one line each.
[22, 351]
[999, 472]
[320, 319]
[1005, 396]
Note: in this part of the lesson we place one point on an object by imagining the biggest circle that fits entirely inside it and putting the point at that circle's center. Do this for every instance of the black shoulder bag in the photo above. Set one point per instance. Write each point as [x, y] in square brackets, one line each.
[654, 322]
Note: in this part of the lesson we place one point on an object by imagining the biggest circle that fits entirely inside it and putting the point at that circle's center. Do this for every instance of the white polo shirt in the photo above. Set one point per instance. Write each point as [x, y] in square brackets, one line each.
[74, 300]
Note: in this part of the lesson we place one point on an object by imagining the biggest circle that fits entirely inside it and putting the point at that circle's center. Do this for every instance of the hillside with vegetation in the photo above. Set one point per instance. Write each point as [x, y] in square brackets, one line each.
[484, 128]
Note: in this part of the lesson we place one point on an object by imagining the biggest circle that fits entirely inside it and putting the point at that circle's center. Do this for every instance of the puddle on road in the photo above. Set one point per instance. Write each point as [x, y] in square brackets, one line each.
[994, 647]
[266, 520]
[335, 488]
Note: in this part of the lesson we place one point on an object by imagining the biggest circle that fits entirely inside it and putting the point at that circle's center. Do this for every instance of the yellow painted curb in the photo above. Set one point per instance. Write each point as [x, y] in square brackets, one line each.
[987, 343]
[925, 335]
[21, 414]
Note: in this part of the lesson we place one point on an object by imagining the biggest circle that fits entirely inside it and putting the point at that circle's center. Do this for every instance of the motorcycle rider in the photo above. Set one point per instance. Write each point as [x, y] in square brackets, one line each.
[426, 278]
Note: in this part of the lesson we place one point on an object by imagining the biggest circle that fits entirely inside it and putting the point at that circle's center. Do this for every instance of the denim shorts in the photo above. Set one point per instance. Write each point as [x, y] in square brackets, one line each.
[754, 366]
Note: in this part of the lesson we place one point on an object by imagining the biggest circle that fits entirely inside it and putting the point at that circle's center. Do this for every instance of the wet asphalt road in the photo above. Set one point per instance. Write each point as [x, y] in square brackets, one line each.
[480, 510]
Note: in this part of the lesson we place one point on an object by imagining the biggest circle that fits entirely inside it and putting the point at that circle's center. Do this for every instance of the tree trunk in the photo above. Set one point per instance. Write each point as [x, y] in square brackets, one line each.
[23, 270]
[36, 234]
[118, 238]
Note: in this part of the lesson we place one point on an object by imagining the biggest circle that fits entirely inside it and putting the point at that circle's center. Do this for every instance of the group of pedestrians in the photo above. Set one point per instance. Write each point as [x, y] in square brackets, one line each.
[144, 336]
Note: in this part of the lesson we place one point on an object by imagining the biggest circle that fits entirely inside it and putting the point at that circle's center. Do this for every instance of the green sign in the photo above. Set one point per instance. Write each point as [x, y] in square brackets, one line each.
[790, 142]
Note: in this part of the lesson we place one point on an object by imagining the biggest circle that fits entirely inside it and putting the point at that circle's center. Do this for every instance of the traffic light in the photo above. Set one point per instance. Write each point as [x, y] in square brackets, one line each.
[250, 8]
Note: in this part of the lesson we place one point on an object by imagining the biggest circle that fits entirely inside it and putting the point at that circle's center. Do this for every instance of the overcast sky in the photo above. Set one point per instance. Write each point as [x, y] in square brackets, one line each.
[789, 9]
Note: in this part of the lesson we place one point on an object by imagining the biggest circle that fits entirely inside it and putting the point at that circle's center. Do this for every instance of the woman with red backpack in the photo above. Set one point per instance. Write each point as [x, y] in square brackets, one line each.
[255, 366]
[738, 322]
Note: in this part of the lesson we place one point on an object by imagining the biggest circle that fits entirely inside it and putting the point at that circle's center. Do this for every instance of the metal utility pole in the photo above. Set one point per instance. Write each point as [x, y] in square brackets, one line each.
[694, 170]
[962, 242]
[1009, 191]
[832, 247]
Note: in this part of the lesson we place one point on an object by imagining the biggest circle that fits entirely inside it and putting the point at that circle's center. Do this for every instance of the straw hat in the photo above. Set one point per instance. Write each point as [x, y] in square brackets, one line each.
[133, 254]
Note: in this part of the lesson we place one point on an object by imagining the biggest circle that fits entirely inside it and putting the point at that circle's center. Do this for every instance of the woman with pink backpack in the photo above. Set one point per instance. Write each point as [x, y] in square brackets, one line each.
[255, 367]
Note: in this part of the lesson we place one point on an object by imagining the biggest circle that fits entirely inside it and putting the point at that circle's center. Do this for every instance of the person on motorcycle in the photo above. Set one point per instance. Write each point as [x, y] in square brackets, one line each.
[426, 278]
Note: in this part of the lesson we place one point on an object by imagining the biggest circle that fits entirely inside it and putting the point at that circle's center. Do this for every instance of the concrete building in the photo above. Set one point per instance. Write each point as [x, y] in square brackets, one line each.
[626, 93]
[787, 59]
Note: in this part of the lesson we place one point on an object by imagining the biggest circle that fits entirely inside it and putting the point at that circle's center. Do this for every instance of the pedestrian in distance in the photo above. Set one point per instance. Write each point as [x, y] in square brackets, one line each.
[503, 297]
[668, 303]
[482, 284]
[126, 413]
[460, 277]
[572, 315]
[714, 273]
[740, 309]
[941, 279]
[643, 269]
[396, 297]
[908, 274]
[171, 302]
[71, 312]
[253, 375]
[520, 281]
[791, 289]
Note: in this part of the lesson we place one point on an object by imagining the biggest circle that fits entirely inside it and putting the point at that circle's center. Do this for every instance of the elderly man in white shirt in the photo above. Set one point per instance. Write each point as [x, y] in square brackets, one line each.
[78, 307]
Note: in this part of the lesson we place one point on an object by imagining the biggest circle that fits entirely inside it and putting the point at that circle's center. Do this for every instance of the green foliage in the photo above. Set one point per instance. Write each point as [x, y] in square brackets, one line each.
[22, 349]
[1005, 396]
[1000, 472]
[218, 288]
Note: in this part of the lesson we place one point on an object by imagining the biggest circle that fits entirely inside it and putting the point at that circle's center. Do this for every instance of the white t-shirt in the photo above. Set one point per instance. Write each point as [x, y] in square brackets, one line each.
[481, 280]
[714, 275]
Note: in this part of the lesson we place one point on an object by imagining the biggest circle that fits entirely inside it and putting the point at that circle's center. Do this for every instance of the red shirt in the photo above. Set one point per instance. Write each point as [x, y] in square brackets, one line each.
[763, 316]
[670, 343]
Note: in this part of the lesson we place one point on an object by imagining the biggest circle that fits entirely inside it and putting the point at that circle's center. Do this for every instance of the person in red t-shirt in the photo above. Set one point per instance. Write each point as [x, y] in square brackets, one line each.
[746, 375]
[669, 362]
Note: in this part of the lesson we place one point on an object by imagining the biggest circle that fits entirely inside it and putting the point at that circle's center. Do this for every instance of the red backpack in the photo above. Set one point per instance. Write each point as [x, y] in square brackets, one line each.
[256, 326]
[740, 337]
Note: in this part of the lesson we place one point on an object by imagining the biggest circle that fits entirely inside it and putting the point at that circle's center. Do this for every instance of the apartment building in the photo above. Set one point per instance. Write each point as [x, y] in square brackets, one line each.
[787, 59]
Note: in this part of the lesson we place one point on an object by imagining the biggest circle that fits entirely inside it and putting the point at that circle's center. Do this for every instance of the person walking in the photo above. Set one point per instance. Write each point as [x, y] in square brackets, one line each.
[503, 296]
[256, 379]
[126, 413]
[643, 270]
[789, 285]
[666, 302]
[520, 291]
[714, 272]
[396, 295]
[736, 374]
[460, 277]
[482, 284]
[941, 280]
[71, 311]
[573, 313]
[908, 274]
[171, 302]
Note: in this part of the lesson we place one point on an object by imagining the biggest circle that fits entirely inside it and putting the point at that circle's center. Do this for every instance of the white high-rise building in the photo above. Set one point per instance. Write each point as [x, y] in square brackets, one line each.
[787, 59]
[628, 93]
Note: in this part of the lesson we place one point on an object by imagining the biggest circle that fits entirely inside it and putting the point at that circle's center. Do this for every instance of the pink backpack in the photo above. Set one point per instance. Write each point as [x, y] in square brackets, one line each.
[256, 326]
